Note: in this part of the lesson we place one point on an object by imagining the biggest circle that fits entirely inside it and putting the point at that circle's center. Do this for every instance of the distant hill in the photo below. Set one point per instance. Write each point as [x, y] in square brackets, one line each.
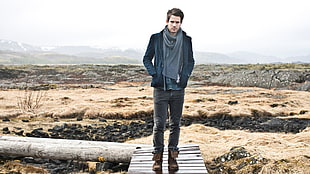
[215, 58]
[12, 52]
[248, 57]
[17, 46]
[19, 53]
[87, 51]
[299, 59]
[8, 57]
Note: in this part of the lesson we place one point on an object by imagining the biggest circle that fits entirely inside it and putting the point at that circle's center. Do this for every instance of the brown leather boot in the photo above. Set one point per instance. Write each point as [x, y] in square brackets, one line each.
[158, 158]
[172, 162]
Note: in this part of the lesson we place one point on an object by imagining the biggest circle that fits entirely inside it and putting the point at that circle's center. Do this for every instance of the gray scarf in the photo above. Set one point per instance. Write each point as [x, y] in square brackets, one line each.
[172, 54]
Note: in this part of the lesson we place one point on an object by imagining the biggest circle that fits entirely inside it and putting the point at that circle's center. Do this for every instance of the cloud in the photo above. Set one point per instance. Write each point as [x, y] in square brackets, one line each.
[277, 27]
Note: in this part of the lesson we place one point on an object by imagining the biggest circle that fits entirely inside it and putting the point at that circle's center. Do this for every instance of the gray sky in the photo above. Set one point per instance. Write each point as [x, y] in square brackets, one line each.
[270, 27]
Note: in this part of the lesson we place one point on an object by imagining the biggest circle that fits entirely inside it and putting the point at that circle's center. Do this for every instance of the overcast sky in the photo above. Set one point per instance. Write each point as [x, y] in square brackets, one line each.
[270, 27]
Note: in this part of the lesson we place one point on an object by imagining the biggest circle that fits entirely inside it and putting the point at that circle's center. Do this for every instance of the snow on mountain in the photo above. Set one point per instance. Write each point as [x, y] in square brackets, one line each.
[8, 45]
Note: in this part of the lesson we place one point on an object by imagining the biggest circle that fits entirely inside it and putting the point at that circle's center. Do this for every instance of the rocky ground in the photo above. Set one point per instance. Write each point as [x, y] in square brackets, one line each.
[240, 128]
[270, 76]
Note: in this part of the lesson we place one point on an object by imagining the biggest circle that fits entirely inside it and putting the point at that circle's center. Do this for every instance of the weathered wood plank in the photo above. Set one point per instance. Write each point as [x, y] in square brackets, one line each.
[193, 168]
[198, 162]
[189, 160]
[181, 152]
[180, 158]
[165, 171]
[194, 162]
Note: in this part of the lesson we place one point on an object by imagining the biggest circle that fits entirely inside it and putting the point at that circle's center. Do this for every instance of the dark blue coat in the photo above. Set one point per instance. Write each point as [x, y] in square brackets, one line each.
[155, 68]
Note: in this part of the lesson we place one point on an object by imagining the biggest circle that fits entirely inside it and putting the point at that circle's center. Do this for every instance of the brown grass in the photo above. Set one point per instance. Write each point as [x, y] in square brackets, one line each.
[135, 99]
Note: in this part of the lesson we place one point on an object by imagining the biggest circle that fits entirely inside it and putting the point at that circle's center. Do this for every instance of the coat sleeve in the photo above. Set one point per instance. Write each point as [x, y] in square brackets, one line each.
[191, 60]
[149, 55]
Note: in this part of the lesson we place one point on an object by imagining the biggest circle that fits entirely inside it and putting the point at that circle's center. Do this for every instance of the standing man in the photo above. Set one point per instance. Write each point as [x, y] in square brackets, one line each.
[173, 63]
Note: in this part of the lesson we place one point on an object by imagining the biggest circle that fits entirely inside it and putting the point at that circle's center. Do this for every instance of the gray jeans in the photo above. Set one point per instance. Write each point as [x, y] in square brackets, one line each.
[171, 100]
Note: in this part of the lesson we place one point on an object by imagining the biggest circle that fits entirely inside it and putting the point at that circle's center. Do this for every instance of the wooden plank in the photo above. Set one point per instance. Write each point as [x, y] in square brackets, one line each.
[193, 168]
[165, 171]
[146, 165]
[189, 160]
[181, 148]
[181, 152]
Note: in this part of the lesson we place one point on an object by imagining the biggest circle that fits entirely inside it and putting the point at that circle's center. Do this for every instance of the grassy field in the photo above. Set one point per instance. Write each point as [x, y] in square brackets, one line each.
[276, 152]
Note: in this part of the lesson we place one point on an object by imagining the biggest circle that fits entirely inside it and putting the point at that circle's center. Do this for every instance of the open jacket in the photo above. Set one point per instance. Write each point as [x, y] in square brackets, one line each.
[155, 68]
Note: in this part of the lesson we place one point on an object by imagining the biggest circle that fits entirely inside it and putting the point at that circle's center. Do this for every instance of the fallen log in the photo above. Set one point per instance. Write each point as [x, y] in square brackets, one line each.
[64, 149]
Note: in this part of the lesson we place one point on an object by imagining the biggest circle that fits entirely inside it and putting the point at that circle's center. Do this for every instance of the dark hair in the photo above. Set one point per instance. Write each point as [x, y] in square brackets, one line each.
[175, 12]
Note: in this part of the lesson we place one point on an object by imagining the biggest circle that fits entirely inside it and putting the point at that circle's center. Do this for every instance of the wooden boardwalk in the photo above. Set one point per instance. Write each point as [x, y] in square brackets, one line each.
[189, 160]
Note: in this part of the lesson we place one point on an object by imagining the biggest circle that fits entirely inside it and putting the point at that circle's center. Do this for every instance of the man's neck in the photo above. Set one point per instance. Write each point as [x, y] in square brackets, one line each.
[173, 33]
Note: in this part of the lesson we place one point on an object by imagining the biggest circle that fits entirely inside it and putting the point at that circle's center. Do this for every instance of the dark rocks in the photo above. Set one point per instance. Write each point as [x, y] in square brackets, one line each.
[51, 165]
[6, 119]
[114, 167]
[38, 133]
[9, 73]
[258, 124]
[20, 133]
[303, 111]
[116, 132]
[60, 166]
[54, 166]
[69, 76]
[104, 166]
[274, 105]
[235, 160]
[232, 102]
[6, 130]
[79, 119]
[102, 120]
[120, 167]
[59, 128]
[265, 79]
[94, 76]
[120, 131]
[235, 153]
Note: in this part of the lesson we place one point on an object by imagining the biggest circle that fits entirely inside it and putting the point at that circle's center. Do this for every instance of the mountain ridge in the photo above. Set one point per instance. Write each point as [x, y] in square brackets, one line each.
[12, 52]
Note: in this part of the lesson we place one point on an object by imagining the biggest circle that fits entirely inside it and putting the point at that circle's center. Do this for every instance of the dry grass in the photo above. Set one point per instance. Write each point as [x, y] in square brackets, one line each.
[16, 167]
[131, 99]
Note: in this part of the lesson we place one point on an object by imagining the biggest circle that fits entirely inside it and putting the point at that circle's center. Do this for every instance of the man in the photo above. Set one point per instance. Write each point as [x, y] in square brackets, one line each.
[173, 63]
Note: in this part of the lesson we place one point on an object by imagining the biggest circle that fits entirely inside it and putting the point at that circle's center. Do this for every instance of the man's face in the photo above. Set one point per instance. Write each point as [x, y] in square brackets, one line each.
[174, 24]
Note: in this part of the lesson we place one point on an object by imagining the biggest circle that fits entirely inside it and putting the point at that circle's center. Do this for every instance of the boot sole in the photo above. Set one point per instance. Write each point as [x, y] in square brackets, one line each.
[173, 169]
[157, 170]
